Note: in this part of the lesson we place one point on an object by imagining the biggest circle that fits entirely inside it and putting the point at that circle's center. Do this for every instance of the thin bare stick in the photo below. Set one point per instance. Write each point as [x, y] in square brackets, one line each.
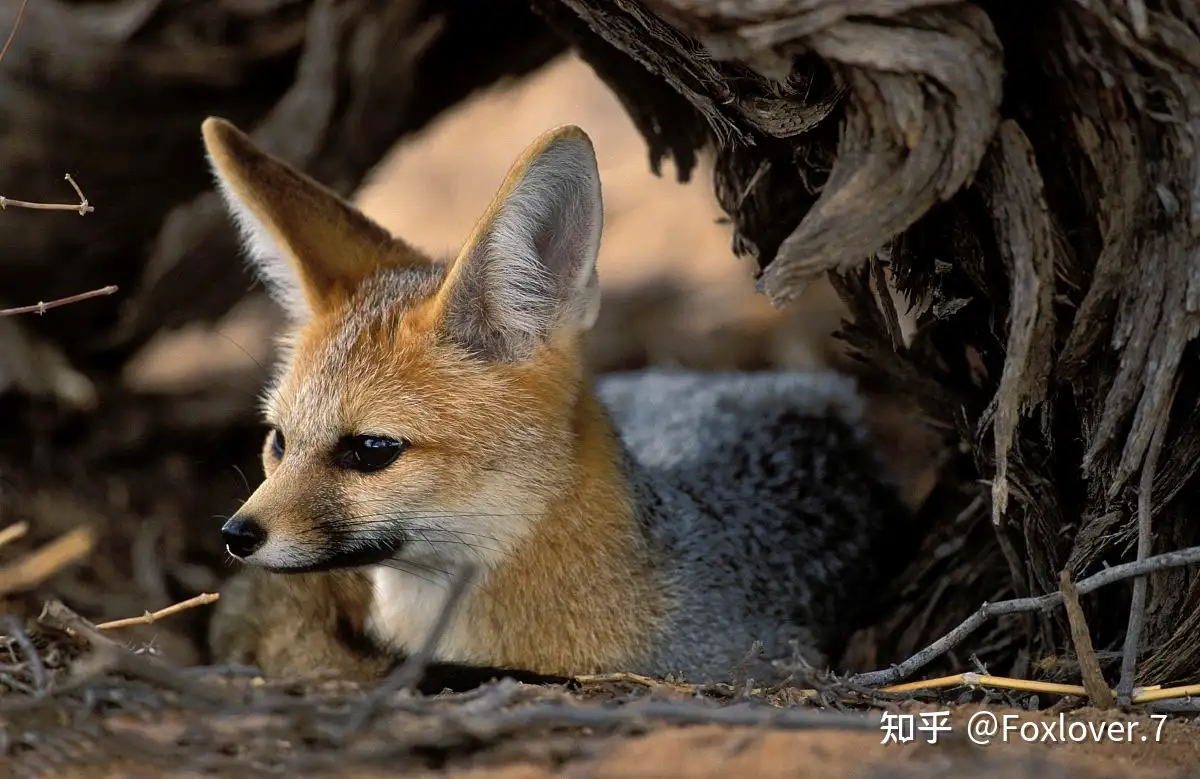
[41, 308]
[1189, 556]
[1089, 667]
[1166, 693]
[150, 617]
[13, 32]
[46, 561]
[973, 679]
[83, 207]
[13, 532]
[1137, 604]
[410, 672]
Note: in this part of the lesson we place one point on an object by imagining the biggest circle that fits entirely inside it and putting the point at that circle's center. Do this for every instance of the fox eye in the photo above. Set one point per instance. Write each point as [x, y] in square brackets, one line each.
[277, 444]
[368, 453]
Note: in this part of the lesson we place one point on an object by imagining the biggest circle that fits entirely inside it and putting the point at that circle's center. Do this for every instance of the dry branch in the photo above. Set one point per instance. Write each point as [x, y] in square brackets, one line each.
[82, 207]
[1089, 667]
[410, 672]
[41, 308]
[954, 638]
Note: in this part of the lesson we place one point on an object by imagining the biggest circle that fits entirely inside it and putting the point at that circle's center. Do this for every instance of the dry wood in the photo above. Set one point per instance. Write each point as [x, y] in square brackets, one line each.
[1093, 678]
[954, 638]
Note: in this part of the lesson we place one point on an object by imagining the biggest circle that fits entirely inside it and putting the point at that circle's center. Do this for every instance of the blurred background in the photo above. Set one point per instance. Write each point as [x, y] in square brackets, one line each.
[673, 291]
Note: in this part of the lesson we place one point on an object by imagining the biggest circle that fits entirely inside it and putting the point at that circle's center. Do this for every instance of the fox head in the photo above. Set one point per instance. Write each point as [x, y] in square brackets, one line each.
[423, 410]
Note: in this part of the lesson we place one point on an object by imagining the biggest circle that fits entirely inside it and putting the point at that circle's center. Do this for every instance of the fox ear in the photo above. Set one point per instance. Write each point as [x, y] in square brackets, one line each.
[528, 271]
[305, 242]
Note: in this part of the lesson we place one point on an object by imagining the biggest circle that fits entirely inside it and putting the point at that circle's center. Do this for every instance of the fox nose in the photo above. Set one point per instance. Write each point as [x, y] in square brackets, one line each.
[242, 536]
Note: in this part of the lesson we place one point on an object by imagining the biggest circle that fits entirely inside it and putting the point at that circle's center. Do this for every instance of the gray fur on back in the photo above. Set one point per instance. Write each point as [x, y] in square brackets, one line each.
[763, 505]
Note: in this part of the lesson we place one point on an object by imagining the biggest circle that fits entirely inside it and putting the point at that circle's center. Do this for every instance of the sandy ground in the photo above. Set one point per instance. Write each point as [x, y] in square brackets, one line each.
[715, 752]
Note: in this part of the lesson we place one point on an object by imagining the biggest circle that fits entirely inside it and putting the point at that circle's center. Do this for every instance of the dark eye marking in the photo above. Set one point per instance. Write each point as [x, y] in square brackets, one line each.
[277, 444]
[367, 453]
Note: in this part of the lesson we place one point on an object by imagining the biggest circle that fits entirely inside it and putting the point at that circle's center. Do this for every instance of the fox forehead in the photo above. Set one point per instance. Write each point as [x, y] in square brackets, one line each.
[377, 334]
[375, 364]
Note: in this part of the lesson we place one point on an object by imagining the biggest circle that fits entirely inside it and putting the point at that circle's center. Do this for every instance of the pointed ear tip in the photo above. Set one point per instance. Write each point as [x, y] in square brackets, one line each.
[567, 132]
[220, 133]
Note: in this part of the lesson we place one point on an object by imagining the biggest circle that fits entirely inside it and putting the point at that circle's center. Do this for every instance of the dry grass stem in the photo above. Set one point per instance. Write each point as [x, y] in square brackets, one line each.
[13, 532]
[409, 674]
[46, 561]
[13, 32]
[150, 617]
[1140, 694]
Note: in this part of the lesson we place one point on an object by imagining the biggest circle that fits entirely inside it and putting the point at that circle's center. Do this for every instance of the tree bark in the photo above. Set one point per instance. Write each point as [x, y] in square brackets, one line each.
[1026, 175]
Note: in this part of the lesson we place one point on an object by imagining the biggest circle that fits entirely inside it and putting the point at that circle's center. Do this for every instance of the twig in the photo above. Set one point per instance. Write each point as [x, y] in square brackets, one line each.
[1137, 604]
[1089, 666]
[41, 679]
[13, 532]
[83, 207]
[1189, 556]
[13, 32]
[972, 679]
[37, 566]
[645, 681]
[410, 672]
[1166, 693]
[150, 617]
[113, 657]
[41, 308]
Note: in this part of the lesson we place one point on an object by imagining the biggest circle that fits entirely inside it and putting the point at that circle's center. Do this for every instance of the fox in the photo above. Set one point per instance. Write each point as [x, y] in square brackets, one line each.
[432, 411]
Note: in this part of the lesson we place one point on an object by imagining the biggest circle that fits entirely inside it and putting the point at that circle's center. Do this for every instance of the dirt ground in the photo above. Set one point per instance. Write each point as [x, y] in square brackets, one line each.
[673, 294]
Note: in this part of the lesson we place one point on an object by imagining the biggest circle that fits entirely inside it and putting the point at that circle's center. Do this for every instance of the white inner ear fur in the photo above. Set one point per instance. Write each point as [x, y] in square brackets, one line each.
[538, 262]
[268, 259]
